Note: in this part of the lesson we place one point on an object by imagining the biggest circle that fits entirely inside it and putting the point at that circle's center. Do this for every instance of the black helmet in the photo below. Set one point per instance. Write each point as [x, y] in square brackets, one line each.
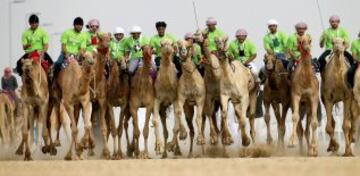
[33, 19]
[78, 21]
[160, 24]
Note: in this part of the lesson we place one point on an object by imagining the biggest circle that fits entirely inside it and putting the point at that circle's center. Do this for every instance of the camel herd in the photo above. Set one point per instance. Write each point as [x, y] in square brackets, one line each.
[86, 86]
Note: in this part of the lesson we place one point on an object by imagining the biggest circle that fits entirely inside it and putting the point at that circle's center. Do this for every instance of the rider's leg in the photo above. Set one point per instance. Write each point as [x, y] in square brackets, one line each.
[322, 59]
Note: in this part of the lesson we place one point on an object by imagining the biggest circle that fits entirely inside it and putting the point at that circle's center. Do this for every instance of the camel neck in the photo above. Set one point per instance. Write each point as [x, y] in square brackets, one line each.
[100, 66]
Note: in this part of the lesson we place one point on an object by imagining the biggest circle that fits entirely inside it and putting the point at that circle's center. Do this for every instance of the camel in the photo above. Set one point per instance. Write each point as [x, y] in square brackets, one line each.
[305, 89]
[74, 95]
[142, 94]
[99, 95]
[276, 93]
[7, 119]
[35, 97]
[334, 89]
[165, 92]
[117, 96]
[190, 92]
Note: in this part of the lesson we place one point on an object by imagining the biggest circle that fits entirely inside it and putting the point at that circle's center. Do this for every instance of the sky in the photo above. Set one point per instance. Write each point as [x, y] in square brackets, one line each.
[57, 16]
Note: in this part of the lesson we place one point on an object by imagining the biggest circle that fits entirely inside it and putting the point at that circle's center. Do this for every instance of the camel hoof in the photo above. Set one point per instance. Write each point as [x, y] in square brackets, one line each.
[19, 151]
[28, 156]
[130, 151]
[246, 141]
[171, 147]
[227, 139]
[57, 143]
[214, 140]
[333, 147]
[348, 154]
[84, 143]
[53, 151]
[200, 140]
[144, 155]
[91, 152]
[78, 149]
[190, 155]
[177, 152]
[68, 157]
[269, 141]
[114, 156]
[292, 144]
[45, 149]
[158, 148]
[119, 155]
[164, 155]
[106, 154]
[183, 134]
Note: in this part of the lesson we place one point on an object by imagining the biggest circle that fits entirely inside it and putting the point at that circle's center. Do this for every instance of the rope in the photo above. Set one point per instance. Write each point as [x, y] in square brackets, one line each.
[320, 15]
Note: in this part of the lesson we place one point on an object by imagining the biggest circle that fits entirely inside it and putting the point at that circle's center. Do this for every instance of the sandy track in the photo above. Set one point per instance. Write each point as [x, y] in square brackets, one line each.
[236, 166]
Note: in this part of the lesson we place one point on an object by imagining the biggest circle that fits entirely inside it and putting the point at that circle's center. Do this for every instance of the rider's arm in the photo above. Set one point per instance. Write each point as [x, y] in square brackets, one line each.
[2, 83]
[267, 45]
[322, 40]
[25, 42]
[252, 58]
[15, 83]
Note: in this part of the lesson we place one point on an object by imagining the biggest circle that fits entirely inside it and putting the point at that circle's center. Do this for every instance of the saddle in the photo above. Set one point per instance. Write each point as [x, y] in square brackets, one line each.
[35, 56]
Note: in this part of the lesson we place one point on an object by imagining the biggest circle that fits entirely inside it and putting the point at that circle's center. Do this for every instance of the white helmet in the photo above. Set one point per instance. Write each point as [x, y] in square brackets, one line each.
[119, 30]
[135, 29]
[272, 22]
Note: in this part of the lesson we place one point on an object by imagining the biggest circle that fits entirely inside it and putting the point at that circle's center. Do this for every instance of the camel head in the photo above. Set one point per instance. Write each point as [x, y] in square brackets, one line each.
[304, 44]
[30, 67]
[184, 49]
[167, 47]
[200, 36]
[221, 43]
[147, 54]
[88, 59]
[213, 65]
[339, 45]
[270, 61]
[104, 40]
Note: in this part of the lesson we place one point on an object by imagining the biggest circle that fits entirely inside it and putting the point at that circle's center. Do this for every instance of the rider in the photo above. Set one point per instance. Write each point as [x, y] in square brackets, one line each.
[91, 35]
[117, 49]
[355, 50]
[275, 41]
[133, 49]
[196, 52]
[244, 50]
[212, 32]
[72, 43]
[34, 39]
[292, 44]
[9, 85]
[155, 43]
[334, 31]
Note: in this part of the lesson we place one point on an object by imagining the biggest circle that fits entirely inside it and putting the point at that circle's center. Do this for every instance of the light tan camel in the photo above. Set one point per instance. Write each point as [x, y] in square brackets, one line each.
[165, 92]
[7, 119]
[118, 95]
[99, 95]
[190, 92]
[142, 94]
[334, 89]
[35, 96]
[305, 89]
[276, 93]
[75, 96]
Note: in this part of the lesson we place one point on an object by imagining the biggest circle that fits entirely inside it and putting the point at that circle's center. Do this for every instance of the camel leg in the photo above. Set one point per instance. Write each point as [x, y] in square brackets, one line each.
[110, 113]
[199, 111]
[308, 126]
[27, 114]
[210, 114]
[278, 119]
[165, 130]
[267, 121]
[20, 149]
[189, 114]
[240, 111]
[330, 125]
[178, 107]
[300, 135]
[104, 130]
[347, 127]
[313, 150]
[226, 136]
[120, 131]
[295, 119]
[126, 126]
[136, 133]
[149, 110]
[285, 108]
[155, 122]
[70, 109]
[252, 111]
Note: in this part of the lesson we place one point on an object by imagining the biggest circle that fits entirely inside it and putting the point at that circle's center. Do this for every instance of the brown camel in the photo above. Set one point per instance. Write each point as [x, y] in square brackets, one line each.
[117, 96]
[99, 95]
[142, 94]
[74, 95]
[276, 93]
[35, 96]
[334, 89]
[305, 89]
[165, 92]
[190, 92]
[7, 119]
